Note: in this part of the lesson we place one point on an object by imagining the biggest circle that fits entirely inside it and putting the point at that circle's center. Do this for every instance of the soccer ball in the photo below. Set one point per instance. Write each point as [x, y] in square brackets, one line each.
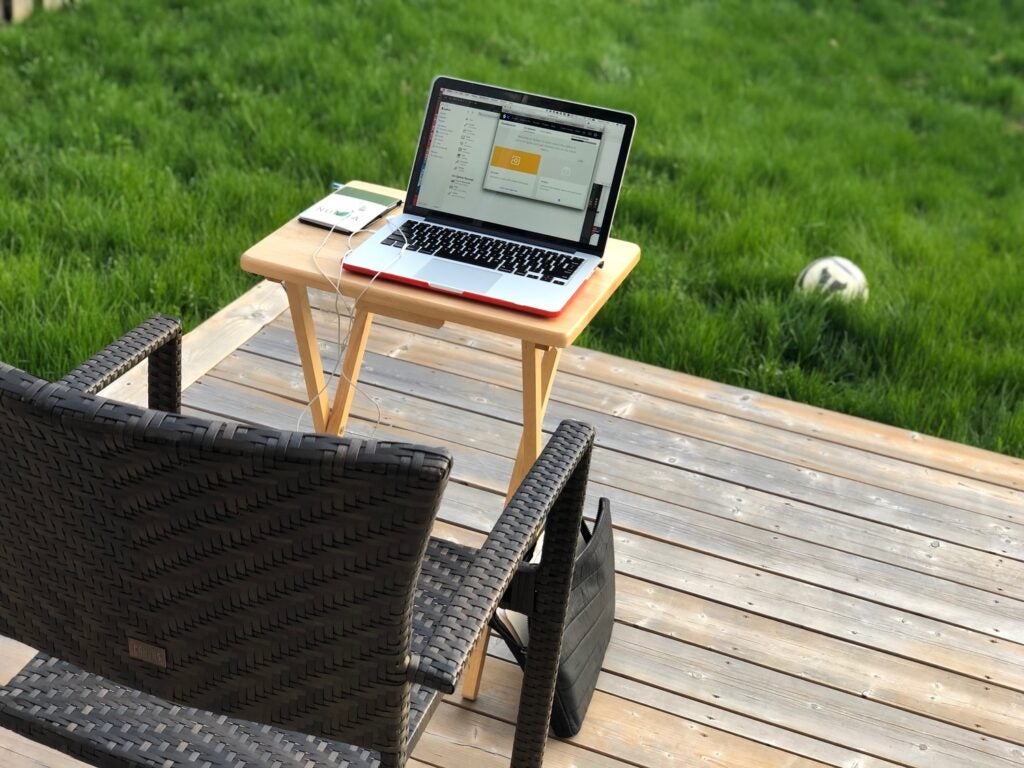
[834, 276]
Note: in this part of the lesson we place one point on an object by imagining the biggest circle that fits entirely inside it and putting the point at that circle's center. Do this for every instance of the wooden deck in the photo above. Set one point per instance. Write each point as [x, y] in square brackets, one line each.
[795, 587]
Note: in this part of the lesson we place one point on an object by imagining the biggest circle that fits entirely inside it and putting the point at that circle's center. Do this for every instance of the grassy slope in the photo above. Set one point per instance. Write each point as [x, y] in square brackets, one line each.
[144, 145]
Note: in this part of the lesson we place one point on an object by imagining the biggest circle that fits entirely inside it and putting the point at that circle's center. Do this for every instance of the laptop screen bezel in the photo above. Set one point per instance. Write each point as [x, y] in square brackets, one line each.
[627, 120]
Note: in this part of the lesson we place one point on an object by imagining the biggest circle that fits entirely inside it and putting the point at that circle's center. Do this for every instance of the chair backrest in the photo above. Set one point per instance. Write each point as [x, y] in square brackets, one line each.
[258, 573]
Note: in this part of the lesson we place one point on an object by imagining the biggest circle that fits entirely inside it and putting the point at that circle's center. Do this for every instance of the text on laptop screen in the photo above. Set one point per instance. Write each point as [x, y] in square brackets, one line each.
[519, 166]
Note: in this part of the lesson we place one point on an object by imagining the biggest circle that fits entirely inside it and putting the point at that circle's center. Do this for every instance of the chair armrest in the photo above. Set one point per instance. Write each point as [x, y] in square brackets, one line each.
[158, 339]
[554, 488]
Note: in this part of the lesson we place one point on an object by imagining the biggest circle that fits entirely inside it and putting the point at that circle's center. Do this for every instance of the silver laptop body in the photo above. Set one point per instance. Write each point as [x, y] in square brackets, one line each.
[510, 198]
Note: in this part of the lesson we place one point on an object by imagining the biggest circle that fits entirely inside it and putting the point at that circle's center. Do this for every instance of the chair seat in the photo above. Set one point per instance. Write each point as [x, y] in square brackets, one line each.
[112, 726]
[53, 694]
[444, 569]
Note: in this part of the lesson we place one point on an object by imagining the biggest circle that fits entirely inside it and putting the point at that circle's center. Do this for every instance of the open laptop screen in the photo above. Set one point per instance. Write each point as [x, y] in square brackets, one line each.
[527, 165]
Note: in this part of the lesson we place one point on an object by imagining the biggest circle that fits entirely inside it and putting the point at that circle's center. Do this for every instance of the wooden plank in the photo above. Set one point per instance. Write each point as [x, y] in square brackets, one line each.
[16, 751]
[941, 523]
[958, 604]
[218, 397]
[13, 657]
[751, 728]
[630, 731]
[737, 685]
[902, 683]
[501, 688]
[208, 344]
[947, 601]
[914, 589]
[904, 444]
[840, 616]
[937, 521]
[812, 453]
[696, 711]
[457, 738]
[796, 520]
[274, 408]
[890, 735]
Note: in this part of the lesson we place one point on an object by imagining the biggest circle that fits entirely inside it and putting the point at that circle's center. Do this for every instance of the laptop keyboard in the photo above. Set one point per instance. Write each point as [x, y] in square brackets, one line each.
[482, 251]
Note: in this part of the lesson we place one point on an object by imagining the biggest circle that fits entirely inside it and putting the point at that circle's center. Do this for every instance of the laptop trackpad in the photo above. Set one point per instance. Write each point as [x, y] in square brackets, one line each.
[459, 278]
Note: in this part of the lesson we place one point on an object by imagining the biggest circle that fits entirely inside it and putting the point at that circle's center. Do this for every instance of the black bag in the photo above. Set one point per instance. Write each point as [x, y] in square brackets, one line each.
[588, 622]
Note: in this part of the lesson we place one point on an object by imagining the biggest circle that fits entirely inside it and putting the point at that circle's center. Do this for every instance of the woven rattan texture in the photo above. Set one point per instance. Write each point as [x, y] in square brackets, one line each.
[107, 724]
[158, 339]
[263, 574]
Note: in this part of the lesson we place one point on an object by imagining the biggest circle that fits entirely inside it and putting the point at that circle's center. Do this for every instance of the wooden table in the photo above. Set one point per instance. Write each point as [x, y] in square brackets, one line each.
[287, 256]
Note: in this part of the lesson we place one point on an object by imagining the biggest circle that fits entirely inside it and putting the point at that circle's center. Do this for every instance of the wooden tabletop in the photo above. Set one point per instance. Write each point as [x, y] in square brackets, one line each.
[286, 255]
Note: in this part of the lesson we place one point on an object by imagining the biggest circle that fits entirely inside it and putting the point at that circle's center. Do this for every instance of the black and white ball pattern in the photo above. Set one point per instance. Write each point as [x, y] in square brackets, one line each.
[835, 276]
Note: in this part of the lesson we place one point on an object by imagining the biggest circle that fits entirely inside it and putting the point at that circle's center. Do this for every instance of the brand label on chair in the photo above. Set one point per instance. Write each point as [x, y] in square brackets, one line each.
[150, 654]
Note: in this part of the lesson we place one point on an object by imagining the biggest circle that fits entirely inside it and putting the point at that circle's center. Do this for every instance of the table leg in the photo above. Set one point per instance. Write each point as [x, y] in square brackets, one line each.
[357, 338]
[309, 352]
[539, 366]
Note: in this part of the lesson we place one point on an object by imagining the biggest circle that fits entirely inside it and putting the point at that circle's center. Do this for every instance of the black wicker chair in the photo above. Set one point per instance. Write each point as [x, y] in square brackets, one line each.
[206, 593]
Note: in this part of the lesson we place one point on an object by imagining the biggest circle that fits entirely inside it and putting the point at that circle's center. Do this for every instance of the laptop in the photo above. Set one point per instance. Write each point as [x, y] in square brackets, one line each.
[510, 199]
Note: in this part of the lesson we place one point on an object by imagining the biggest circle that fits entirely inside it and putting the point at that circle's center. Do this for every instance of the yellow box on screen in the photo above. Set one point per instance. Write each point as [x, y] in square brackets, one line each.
[515, 160]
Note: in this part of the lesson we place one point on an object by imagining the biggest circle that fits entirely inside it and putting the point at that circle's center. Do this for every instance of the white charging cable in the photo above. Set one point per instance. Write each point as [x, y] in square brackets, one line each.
[350, 308]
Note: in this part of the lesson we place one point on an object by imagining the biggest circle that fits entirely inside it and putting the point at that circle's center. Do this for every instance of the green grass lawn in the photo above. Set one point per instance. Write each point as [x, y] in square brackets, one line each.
[144, 145]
